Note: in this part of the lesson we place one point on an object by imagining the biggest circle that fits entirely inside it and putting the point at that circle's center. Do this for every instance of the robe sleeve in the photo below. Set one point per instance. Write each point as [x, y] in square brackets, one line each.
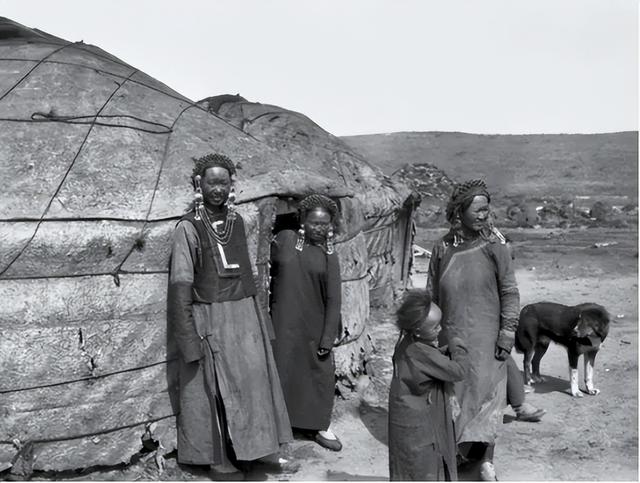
[427, 364]
[433, 279]
[333, 302]
[184, 254]
[509, 296]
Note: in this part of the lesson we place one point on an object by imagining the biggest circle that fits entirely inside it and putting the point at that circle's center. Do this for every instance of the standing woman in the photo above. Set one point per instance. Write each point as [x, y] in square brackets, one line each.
[231, 403]
[471, 278]
[305, 309]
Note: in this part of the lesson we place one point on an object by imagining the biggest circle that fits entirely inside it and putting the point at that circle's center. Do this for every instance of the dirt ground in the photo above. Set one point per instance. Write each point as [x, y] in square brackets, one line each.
[589, 438]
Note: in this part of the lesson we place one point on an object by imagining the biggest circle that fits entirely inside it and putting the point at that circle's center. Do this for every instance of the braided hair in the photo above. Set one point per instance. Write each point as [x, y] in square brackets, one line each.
[414, 308]
[318, 201]
[461, 198]
[212, 160]
[463, 195]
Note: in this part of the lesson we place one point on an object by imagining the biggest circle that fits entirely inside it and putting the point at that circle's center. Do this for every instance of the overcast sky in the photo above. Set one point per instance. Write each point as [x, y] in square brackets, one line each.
[368, 66]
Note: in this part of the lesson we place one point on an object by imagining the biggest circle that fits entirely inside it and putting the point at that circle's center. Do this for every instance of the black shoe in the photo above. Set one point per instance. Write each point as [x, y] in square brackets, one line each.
[283, 465]
[332, 444]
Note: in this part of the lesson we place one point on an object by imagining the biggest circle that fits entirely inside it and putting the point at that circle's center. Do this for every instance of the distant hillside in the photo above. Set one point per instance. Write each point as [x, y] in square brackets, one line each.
[530, 165]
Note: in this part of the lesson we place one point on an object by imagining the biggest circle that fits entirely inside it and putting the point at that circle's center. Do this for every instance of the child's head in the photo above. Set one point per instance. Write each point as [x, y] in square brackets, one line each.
[417, 314]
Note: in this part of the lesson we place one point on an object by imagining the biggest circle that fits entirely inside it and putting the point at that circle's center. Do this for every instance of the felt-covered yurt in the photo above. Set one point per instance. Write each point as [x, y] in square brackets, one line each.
[380, 210]
[95, 157]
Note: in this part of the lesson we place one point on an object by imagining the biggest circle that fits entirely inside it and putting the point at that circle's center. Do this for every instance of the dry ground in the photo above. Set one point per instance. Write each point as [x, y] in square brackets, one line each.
[591, 438]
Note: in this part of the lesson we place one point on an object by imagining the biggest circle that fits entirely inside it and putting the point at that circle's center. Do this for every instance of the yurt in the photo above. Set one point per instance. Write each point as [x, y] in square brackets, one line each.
[95, 157]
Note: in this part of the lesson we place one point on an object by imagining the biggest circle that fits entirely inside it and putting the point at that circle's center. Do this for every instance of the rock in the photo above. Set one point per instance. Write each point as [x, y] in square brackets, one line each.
[434, 188]
[600, 211]
[603, 244]
[523, 214]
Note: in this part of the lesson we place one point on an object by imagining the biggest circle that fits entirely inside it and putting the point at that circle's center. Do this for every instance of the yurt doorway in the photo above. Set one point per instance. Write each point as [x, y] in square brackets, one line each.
[286, 215]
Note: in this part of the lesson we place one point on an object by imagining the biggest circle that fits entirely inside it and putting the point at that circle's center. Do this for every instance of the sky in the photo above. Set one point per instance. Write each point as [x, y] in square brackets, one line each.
[379, 66]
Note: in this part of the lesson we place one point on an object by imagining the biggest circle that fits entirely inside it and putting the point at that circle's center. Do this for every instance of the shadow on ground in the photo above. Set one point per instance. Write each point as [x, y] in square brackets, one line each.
[376, 420]
[552, 384]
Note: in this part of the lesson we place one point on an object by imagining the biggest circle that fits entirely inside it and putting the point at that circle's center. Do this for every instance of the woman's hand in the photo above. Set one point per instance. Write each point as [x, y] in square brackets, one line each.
[501, 354]
[455, 344]
[322, 352]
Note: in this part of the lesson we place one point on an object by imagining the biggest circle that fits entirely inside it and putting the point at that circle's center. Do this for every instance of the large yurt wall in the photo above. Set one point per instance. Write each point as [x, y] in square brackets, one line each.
[96, 157]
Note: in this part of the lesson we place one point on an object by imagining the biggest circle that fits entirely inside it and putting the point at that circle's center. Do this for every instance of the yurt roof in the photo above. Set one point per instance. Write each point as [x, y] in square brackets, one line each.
[87, 135]
[299, 138]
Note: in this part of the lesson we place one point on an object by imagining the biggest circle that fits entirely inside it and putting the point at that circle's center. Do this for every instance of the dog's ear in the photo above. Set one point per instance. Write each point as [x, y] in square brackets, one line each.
[583, 327]
[604, 325]
[593, 322]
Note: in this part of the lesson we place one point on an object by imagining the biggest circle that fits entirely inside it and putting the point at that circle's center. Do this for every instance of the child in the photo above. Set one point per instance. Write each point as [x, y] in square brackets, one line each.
[422, 442]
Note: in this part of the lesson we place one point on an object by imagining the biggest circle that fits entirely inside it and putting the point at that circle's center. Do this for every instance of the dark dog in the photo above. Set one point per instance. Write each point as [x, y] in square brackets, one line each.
[581, 329]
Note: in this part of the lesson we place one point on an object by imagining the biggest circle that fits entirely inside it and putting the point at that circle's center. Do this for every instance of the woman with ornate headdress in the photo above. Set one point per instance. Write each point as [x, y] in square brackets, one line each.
[305, 310]
[471, 278]
[231, 403]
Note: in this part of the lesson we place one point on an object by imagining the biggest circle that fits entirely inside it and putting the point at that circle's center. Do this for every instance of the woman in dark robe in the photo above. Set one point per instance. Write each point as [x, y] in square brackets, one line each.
[422, 444]
[305, 310]
[471, 278]
[231, 403]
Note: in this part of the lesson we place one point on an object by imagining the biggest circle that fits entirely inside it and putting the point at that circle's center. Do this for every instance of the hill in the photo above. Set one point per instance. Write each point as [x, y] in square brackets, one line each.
[533, 165]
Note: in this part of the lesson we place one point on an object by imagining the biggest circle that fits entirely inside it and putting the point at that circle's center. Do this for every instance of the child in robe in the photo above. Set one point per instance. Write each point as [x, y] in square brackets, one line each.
[422, 444]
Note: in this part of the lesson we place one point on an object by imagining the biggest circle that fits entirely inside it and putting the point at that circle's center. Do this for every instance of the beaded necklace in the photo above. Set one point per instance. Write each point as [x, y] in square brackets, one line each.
[459, 239]
[220, 236]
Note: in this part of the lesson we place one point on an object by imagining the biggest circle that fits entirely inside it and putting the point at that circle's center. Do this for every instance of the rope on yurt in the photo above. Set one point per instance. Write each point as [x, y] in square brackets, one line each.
[118, 269]
[80, 275]
[89, 218]
[86, 435]
[40, 62]
[88, 378]
[64, 177]
[78, 45]
[43, 117]
[276, 113]
[105, 55]
[38, 117]
[102, 71]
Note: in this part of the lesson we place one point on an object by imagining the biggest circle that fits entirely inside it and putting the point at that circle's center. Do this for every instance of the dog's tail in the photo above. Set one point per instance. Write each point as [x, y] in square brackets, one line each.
[518, 344]
[519, 332]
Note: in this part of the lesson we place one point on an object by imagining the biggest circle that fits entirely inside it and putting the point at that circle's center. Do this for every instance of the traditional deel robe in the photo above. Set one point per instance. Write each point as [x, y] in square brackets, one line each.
[474, 284]
[229, 386]
[305, 310]
[422, 444]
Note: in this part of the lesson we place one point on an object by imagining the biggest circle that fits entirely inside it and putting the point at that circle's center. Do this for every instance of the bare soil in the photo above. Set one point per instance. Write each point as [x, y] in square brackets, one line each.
[588, 438]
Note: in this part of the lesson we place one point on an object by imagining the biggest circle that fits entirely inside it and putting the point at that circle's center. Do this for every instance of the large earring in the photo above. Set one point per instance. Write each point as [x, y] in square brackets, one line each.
[231, 199]
[330, 247]
[457, 221]
[457, 229]
[198, 198]
[300, 241]
[457, 239]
